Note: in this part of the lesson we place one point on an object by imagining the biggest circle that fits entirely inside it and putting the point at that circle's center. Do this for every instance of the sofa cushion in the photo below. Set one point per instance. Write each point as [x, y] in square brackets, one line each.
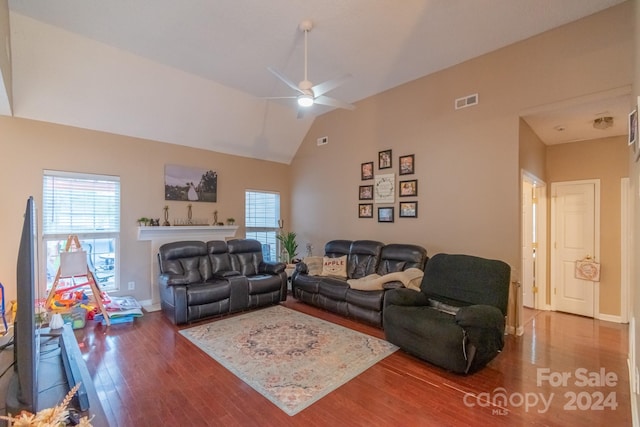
[467, 279]
[199, 294]
[363, 258]
[367, 299]
[398, 257]
[335, 289]
[336, 267]
[263, 283]
[314, 265]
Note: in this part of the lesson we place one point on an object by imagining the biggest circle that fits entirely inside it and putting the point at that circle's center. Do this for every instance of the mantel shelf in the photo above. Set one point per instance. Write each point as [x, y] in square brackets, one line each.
[181, 232]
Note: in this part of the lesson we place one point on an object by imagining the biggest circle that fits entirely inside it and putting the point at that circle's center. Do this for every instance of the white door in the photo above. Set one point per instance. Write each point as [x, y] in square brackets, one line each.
[528, 260]
[575, 216]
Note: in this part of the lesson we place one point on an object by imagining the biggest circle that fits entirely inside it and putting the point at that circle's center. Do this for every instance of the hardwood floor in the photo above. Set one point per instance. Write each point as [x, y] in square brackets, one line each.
[147, 374]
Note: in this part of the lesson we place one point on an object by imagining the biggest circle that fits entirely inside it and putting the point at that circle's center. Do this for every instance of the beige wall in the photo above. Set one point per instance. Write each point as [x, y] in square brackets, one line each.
[5, 54]
[467, 161]
[28, 147]
[606, 160]
[533, 152]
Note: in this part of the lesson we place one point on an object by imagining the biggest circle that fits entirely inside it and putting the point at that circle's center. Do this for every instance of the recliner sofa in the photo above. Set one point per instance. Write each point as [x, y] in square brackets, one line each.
[364, 257]
[457, 319]
[200, 280]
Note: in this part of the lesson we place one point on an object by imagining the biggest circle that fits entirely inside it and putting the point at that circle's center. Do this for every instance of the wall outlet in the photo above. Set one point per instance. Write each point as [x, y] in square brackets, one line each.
[322, 141]
[132, 286]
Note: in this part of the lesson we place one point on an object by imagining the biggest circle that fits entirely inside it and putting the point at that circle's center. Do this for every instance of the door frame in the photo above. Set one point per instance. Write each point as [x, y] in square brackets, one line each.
[540, 298]
[596, 236]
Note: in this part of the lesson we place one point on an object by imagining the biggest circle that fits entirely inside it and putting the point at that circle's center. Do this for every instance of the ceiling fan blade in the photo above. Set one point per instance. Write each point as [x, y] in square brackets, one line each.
[332, 102]
[279, 97]
[284, 79]
[322, 88]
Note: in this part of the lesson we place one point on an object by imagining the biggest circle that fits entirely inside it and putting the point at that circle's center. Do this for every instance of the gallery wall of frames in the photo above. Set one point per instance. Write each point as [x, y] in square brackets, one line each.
[377, 194]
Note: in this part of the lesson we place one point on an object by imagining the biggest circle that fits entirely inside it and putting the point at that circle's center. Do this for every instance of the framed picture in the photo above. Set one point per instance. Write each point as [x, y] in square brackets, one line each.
[366, 171]
[633, 126]
[408, 210]
[190, 184]
[384, 159]
[384, 188]
[385, 214]
[365, 210]
[407, 164]
[409, 188]
[366, 192]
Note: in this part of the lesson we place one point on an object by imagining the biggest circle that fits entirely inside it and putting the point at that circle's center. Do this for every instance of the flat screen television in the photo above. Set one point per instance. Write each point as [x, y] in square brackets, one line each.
[23, 387]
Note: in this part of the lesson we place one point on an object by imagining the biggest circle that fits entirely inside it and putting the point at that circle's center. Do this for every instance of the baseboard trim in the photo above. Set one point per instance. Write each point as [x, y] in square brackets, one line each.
[610, 318]
[634, 402]
[149, 306]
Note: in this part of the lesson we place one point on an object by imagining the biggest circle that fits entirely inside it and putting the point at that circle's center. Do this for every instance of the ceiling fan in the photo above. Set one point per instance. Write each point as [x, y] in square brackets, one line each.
[308, 93]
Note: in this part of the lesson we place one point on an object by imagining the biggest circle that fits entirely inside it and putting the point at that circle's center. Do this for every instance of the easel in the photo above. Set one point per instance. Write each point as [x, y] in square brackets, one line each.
[73, 245]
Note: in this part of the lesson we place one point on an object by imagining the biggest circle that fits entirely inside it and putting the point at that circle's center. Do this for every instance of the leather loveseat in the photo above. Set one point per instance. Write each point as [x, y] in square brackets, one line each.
[364, 257]
[200, 280]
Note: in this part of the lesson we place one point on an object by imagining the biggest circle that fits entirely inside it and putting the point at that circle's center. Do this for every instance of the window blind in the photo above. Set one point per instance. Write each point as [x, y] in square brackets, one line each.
[262, 209]
[78, 203]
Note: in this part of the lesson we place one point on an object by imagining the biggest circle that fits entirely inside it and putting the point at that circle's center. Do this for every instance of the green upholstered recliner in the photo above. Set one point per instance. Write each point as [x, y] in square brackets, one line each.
[457, 320]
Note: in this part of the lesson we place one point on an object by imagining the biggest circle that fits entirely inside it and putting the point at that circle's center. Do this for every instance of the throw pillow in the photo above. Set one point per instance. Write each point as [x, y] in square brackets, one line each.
[314, 265]
[336, 267]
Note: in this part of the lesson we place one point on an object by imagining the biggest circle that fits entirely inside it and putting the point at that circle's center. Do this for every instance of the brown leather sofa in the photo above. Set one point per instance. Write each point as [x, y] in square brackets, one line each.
[364, 257]
[200, 280]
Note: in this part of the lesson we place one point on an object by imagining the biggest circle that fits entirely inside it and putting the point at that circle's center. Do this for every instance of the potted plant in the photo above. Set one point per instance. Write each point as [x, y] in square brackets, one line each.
[231, 221]
[289, 245]
[143, 221]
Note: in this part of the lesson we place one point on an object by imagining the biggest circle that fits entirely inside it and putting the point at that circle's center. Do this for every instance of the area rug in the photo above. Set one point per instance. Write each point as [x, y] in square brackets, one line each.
[291, 358]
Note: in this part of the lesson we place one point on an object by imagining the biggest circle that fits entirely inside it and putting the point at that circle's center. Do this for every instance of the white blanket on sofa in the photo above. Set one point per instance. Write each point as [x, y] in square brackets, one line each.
[410, 278]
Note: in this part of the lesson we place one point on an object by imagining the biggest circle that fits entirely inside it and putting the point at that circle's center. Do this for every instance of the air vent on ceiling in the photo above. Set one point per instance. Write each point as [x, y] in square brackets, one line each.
[322, 141]
[466, 101]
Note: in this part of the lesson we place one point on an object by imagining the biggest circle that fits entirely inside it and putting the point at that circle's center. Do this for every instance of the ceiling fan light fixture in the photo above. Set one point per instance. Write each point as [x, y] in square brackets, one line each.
[603, 122]
[305, 100]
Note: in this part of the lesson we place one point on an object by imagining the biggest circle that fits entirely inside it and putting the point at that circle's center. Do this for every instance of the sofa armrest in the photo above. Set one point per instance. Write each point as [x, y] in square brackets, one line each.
[168, 279]
[301, 267]
[271, 267]
[480, 316]
[404, 296]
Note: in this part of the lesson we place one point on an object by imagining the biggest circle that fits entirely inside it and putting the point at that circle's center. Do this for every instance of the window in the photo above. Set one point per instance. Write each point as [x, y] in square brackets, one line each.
[262, 214]
[87, 206]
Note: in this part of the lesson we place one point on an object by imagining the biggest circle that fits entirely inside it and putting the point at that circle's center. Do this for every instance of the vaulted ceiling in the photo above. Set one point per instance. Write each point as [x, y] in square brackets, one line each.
[195, 73]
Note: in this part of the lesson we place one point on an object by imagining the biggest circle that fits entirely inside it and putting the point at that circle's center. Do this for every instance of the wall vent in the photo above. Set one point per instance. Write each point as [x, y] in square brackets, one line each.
[322, 141]
[466, 101]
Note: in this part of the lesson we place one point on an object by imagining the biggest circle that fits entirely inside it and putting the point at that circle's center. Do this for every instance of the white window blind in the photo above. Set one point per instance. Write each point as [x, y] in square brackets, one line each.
[262, 213]
[77, 203]
[87, 206]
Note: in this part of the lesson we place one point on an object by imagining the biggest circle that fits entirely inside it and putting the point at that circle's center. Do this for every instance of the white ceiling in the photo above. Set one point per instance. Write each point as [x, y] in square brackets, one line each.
[195, 73]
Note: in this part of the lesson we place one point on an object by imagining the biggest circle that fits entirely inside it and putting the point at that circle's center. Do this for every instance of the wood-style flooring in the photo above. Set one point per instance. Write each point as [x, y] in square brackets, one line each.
[147, 374]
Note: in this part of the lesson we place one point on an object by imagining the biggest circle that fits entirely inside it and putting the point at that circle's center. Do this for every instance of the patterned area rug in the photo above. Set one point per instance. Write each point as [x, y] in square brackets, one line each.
[291, 358]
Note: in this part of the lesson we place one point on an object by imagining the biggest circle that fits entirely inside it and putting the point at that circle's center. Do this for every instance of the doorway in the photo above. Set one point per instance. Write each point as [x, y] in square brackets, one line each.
[575, 234]
[533, 251]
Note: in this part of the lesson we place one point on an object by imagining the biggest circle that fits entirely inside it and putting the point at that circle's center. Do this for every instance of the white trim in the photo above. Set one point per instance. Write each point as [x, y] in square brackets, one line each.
[81, 175]
[625, 249]
[610, 318]
[541, 239]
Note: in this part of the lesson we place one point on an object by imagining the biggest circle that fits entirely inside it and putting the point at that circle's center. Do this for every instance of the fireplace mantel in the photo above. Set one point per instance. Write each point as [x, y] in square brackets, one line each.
[158, 236]
[187, 232]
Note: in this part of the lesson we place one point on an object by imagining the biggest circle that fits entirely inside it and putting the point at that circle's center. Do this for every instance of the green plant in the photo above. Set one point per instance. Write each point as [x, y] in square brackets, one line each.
[289, 244]
[143, 221]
